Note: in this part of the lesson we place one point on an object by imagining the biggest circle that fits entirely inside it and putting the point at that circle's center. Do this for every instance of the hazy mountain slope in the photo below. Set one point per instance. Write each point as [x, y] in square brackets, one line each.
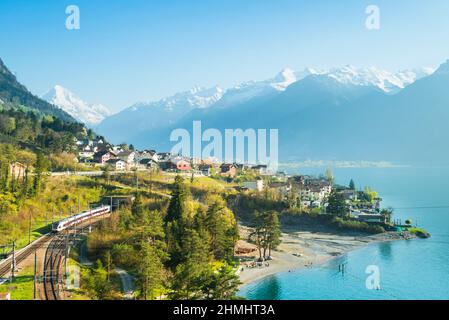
[15, 94]
[153, 115]
[322, 117]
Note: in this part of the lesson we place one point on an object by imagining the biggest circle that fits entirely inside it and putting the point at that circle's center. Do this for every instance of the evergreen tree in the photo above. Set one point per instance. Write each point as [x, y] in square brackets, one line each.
[150, 272]
[351, 185]
[138, 209]
[177, 206]
[39, 169]
[222, 285]
[176, 221]
[192, 273]
[274, 231]
[337, 205]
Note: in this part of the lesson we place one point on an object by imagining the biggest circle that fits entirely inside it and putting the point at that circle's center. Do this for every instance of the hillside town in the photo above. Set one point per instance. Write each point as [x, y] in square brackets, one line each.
[309, 192]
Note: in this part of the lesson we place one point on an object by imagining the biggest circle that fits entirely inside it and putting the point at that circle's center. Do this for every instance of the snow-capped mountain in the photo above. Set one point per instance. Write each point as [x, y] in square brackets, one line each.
[197, 97]
[89, 114]
[253, 89]
[152, 115]
[145, 118]
[385, 80]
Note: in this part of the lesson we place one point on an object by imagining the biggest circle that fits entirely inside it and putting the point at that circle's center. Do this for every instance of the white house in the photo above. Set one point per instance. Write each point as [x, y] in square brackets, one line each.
[117, 164]
[128, 157]
[257, 185]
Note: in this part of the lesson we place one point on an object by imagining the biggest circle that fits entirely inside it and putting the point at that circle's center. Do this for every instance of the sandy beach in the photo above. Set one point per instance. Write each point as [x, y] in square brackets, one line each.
[304, 249]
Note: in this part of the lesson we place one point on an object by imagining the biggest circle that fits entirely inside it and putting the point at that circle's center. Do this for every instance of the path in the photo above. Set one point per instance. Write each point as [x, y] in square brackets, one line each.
[127, 283]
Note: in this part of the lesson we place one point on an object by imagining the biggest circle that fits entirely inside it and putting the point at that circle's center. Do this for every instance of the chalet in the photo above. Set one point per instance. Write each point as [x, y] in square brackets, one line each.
[242, 166]
[369, 217]
[128, 157]
[181, 164]
[228, 170]
[349, 194]
[205, 169]
[17, 170]
[102, 157]
[146, 155]
[116, 149]
[164, 156]
[261, 169]
[148, 164]
[282, 188]
[117, 164]
[257, 185]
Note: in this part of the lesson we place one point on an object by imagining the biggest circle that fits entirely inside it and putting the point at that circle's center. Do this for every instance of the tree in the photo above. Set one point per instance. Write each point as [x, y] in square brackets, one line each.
[266, 232]
[274, 231]
[222, 284]
[97, 282]
[219, 222]
[39, 169]
[369, 194]
[191, 273]
[176, 221]
[177, 206]
[138, 209]
[330, 175]
[150, 272]
[388, 214]
[351, 185]
[337, 205]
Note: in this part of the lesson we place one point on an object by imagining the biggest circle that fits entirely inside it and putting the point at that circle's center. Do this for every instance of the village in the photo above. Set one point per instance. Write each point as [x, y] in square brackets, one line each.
[308, 192]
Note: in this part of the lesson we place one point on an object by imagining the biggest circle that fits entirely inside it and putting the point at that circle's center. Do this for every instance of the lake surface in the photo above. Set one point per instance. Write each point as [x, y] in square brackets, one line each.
[414, 269]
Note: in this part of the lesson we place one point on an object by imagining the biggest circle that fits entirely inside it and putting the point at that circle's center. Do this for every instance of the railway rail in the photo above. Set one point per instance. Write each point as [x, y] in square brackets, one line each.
[21, 255]
[53, 263]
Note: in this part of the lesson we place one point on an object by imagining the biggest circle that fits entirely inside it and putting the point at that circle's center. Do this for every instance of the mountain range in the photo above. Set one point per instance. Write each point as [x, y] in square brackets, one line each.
[344, 113]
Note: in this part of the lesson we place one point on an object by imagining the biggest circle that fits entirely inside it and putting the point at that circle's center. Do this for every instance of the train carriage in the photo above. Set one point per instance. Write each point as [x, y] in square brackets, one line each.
[79, 218]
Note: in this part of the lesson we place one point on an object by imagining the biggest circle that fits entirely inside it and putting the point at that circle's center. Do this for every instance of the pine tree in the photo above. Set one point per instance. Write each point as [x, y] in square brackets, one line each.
[176, 221]
[150, 272]
[337, 205]
[222, 285]
[192, 273]
[177, 206]
[274, 231]
[138, 209]
[351, 185]
[39, 169]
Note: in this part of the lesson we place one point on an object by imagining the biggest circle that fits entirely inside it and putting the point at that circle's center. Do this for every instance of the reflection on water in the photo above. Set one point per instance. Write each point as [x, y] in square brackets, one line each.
[271, 290]
[385, 250]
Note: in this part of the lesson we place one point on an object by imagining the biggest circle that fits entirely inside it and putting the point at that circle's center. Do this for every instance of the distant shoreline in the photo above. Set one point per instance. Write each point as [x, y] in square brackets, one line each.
[305, 249]
[344, 164]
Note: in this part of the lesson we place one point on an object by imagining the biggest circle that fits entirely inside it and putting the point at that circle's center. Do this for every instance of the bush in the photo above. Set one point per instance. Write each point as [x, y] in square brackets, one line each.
[354, 225]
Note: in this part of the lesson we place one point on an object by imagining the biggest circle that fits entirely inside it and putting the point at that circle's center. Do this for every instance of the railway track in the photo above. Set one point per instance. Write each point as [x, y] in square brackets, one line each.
[21, 255]
[53, 263]
[55, 245]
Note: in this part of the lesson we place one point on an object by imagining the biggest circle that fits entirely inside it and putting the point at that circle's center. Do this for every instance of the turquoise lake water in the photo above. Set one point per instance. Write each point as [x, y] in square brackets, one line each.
[414, 269]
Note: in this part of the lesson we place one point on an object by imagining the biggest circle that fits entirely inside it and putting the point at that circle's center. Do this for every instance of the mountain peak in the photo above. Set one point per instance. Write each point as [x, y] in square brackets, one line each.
[90, 114]
[444, 68]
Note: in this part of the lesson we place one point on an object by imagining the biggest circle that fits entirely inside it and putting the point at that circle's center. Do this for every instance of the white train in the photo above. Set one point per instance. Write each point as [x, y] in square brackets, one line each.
[80, 217]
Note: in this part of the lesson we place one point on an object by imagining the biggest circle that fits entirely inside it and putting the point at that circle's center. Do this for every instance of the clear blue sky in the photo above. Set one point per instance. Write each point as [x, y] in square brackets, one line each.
[133, 50]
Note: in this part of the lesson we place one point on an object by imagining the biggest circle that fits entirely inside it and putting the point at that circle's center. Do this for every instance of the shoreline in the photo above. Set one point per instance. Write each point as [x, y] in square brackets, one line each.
[305, 249]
